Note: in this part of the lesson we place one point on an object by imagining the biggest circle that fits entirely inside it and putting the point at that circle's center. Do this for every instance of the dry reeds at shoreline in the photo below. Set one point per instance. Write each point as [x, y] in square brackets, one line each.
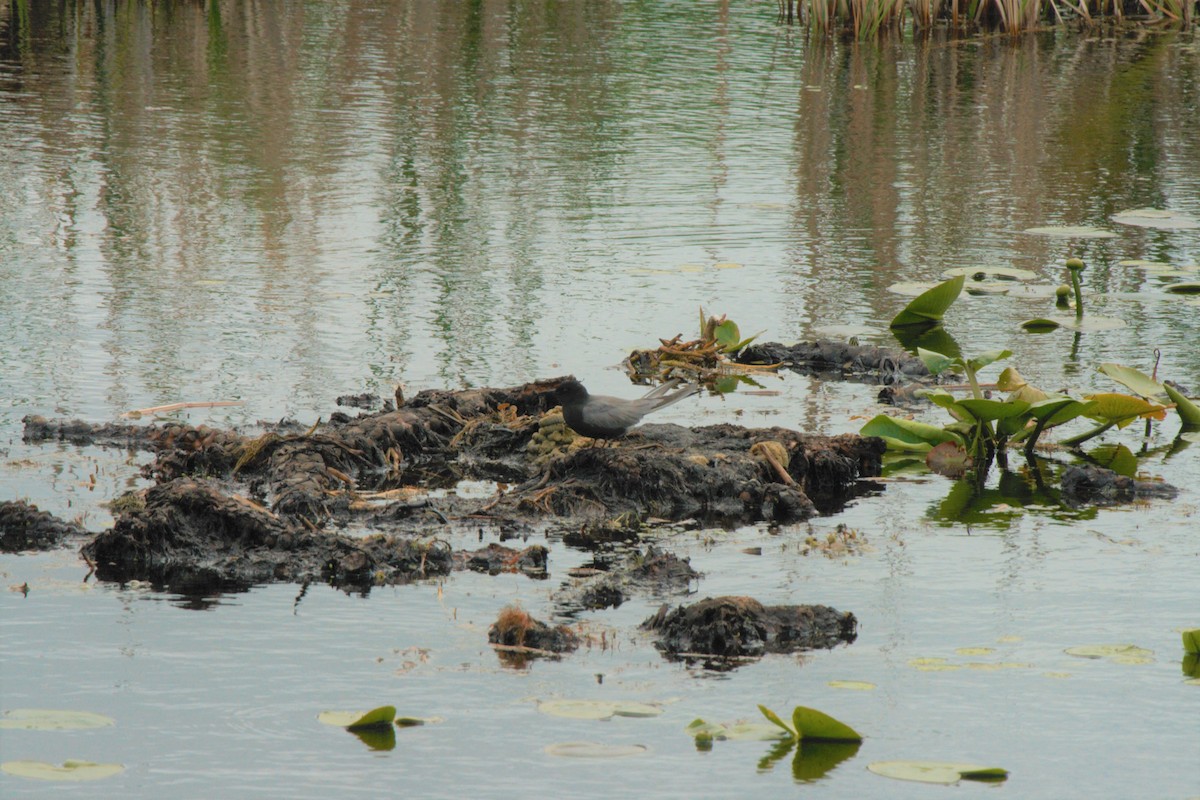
[865, 19]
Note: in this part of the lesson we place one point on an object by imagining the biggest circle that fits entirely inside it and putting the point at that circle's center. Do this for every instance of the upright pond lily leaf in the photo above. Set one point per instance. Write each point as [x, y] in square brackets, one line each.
[381, 717]
[935, 362]
[1191, 641]
[771, 715]
[819, 726]
[907, 435]
[1122, 409]
[928, 307]
[1188, 411]
[943, 772]
[1136, 380]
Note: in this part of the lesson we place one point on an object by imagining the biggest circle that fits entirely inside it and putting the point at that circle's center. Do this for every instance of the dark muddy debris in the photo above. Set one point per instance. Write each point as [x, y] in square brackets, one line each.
[864, 362]
[651, 572]
[230, 509]
[741, 627]
[24, 527]
[1096, 486]
[496, 558]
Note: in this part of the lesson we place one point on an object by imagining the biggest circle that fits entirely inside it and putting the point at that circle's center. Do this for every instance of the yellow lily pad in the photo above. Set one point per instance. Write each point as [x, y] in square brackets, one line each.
[860, 686]
[944, 772]
[1071, 232]
[67, 771]
[595, 750]
[51, 719]
[1118, 653]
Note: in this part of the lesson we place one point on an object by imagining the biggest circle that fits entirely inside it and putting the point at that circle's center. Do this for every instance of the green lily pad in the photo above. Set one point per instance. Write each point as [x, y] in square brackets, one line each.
[1156, 218]
[67, 771]
[380, 717]
[1190, 287]
[1188, 411]
[1089, 323]
[51, 719]
[1117, 457]
[1117, 653]
[1191, 641]
[595, 750]
[1071, 232]
[911, 288]
[943, 772]
[598, 709]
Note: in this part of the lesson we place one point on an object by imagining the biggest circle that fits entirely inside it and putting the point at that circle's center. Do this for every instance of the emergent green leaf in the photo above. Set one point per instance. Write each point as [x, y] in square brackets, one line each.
[929, 306]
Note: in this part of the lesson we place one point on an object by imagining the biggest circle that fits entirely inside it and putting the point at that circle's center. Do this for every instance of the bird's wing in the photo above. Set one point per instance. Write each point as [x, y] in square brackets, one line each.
[659, 391]
[664, 401]
[613, 412]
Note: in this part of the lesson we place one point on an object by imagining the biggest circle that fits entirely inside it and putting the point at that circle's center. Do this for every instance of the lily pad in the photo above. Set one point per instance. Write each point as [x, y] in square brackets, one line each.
[598, 709]
[380, 717]
[595, 750]
[50, 719]
[67, 771]
[1117, 653]
[1190, 287]
[1156, 218]
[905, 434]
[742, 730]
[1131, 378]
[1071, 232]
[911, 288]
[943, 772]
[1191, 641]
[860, 686]
[975, 651]
[1122, 408]
[1086, 324]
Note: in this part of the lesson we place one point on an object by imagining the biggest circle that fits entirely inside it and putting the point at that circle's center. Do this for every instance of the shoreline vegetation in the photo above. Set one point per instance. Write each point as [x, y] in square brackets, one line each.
[868, 19]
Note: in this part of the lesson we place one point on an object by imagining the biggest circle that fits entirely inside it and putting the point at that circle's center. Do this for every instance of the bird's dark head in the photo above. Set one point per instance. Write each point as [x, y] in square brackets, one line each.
[570, 392]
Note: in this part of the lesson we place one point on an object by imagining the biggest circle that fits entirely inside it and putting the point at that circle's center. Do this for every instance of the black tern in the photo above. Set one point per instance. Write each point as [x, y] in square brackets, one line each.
[601, 417]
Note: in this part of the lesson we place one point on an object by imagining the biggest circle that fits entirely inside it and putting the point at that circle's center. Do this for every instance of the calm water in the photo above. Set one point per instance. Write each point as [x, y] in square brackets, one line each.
[280, 205]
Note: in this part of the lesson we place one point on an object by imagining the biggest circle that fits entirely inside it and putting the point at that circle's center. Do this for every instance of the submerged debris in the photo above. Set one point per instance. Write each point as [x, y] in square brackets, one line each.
[739, 627]
[653, 572]
[24, 527]
[1092, 485]
[846, 360]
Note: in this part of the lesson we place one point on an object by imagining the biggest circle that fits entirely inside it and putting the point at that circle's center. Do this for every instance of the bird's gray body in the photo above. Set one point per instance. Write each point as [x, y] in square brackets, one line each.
[602, 417]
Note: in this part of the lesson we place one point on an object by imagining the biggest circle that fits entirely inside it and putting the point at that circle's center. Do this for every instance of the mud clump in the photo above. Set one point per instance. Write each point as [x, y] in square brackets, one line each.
[650, 572]
[515, 628]
[742, 627]
[1092, 485]
[24, 527]
[496, 558]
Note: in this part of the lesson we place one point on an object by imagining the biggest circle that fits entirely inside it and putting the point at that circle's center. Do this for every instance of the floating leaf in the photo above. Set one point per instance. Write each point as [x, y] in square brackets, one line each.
[743, 731]
[936, 771]
[950, 459]
[905, 434]
[1119, 653]
[929, 306]
[1156, 218]
[631, 709]
[51, 719]
[1040, 325]
[975, 651]
[819, 726]
[595, 750]
[578, 709]
[67, 771]
[1131, 378]
[1190, 287]
[380, 717]
[911, 288]
[862, 686]
[1071, 232]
